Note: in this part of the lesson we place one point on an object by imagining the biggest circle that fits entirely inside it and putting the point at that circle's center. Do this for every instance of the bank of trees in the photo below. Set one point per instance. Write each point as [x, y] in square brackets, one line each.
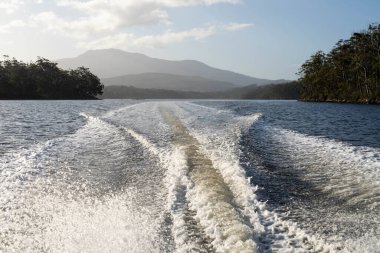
[274, 91]
[350, 72]
[44, 80]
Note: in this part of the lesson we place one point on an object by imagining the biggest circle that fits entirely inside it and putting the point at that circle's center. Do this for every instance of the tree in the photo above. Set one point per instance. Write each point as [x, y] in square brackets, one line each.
[350, 72]
[43, 79]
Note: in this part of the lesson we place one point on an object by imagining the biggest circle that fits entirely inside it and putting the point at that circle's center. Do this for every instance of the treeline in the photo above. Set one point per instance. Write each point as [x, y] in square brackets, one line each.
[350, 72]
[131, 92]
[274, 91]
[290, 90]
[44, 80]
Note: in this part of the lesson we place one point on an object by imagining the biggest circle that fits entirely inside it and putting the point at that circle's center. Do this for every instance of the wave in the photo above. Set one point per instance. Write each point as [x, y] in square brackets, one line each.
[325, 162]
[178, 177]
[219, 140]
[322, 184]
[67, 196]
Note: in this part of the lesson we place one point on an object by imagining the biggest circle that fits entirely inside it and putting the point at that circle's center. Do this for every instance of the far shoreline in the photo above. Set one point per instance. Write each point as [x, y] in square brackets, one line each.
[343, 102]
[340, 102]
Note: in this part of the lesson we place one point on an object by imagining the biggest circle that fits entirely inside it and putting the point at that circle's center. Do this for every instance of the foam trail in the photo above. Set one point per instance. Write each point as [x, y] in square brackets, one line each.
[113, 113]
[360, 166]
[211, 197]
[187, 236]
[163, 176]
[271, 231]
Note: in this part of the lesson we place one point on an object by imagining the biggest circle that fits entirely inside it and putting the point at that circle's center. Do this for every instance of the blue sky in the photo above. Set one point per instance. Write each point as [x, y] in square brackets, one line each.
[261, 38]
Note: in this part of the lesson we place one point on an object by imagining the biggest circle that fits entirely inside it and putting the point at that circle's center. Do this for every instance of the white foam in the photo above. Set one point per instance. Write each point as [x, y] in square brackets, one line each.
[121, 110]
[48, 213]
[359, 166]
[229, 235]
[44, 212]
[219, 143]
[176, 182]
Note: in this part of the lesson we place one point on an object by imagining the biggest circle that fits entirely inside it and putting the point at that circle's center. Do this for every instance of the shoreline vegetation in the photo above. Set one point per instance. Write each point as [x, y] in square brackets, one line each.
[43, 80]
[286, 91]
[361, 102]
[349, 73]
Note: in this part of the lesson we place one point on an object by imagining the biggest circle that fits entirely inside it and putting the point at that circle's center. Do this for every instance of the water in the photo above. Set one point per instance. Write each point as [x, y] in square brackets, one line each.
[189, 176]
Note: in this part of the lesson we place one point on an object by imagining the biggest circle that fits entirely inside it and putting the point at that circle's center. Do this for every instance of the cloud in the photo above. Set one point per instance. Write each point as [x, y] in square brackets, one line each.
[11, 26]
[105, 17]
[237, 26]
[78, 29]
[175, 37]
[93, 4]
[118, 14]
[105, 23]
[127, 40]
[11, 6]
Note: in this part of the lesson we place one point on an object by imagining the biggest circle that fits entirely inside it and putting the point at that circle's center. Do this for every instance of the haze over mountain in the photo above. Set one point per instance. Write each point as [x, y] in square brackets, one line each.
[108, 63]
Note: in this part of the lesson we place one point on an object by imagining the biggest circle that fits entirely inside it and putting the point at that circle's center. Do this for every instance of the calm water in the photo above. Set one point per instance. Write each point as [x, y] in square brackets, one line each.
[189, 176]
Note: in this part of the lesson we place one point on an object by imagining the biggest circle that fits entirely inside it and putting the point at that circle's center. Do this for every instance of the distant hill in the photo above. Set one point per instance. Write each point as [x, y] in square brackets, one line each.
[107, 63]
[274, 91]
[169, 82]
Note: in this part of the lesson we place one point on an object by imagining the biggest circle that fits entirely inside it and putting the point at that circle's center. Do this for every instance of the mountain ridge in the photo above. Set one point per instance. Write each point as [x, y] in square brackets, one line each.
[109, 63]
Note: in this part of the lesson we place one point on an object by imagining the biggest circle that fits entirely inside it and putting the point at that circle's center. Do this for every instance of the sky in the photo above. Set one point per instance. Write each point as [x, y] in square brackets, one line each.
[261, 38]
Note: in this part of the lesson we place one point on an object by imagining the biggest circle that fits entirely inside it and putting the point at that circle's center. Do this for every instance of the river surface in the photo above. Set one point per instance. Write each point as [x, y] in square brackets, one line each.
[189, 176]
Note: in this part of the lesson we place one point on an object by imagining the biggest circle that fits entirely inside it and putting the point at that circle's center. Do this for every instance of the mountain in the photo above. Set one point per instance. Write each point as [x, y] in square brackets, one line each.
[107, 63]
[168, 82]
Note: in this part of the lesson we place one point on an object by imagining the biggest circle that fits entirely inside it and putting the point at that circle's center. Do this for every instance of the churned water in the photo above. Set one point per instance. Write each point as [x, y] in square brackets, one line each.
[189, 176]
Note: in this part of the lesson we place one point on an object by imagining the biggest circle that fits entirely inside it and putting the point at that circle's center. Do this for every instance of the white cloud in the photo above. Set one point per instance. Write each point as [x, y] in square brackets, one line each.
[10, 6]
[175, 37]
[127, 40]
[93, 4]
[11, 26]
[79, 29]
[104, 23]
[237, 26]
[110, 15]
[117, 13]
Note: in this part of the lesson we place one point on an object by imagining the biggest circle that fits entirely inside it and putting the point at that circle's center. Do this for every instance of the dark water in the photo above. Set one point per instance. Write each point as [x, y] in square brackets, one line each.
[189, 176]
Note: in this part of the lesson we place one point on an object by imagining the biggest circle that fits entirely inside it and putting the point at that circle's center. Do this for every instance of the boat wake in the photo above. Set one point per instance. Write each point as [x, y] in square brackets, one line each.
[180, 177]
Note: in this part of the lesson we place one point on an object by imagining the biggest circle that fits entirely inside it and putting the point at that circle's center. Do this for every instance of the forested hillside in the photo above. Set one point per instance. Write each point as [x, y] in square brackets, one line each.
[44, 80]
[288, 90]
[350, 72]
[274, 91]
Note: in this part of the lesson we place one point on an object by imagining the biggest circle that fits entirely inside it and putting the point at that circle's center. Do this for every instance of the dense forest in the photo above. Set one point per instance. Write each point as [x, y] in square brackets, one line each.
[288, 90]
[350, 72]
[273, 91]
[131, 92]
[44, 80]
